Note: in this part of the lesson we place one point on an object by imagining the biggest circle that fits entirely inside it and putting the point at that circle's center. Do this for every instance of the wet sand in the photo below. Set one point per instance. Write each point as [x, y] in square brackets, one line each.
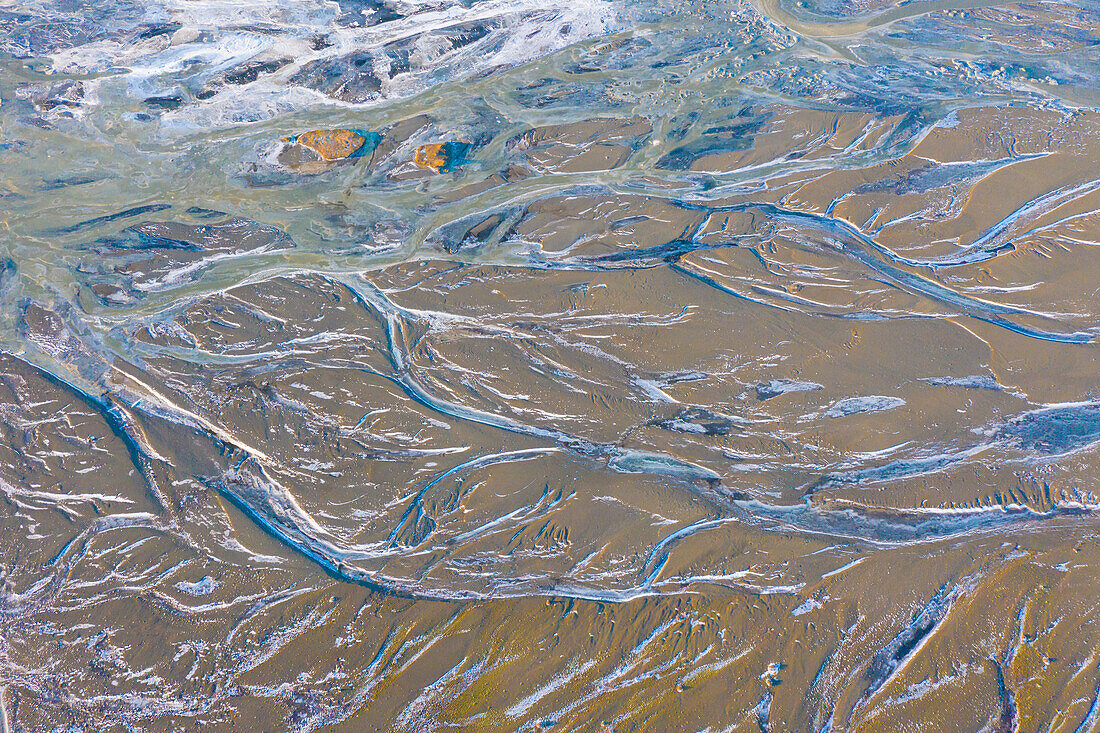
[625, 384]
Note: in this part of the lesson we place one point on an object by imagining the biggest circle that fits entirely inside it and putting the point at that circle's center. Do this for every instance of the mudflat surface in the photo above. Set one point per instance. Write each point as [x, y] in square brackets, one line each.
[489, 366]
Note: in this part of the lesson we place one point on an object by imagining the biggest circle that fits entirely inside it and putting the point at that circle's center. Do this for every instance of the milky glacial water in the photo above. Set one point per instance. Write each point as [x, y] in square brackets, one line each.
[732, 366]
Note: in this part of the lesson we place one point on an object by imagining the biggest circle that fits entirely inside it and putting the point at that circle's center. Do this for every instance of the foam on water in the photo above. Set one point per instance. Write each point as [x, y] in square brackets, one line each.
[229, 63]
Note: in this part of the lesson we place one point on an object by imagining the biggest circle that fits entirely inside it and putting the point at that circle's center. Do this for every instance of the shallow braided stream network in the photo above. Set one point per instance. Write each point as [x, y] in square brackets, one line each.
[733, 366]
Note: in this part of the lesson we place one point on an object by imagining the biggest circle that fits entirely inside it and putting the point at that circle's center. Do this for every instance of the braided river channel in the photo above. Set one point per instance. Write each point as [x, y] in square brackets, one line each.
[504, 365]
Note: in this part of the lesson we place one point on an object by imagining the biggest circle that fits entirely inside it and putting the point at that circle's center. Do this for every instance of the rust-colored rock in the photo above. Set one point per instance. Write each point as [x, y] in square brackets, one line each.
[431, 156]
[332, 144]
[441, 157]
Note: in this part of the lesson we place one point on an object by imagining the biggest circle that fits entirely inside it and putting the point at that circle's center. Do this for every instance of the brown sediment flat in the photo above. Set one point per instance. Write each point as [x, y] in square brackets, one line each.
[707, 394]
[741, 570]
[589, 145]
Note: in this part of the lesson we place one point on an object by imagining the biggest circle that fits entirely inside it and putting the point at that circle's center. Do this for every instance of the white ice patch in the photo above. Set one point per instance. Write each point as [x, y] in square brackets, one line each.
[976, 381]
[855, 405]
[201, 587]
[776, 387]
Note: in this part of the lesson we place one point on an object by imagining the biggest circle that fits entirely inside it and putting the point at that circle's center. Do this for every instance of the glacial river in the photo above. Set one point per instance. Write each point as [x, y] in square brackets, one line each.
[496, 365]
